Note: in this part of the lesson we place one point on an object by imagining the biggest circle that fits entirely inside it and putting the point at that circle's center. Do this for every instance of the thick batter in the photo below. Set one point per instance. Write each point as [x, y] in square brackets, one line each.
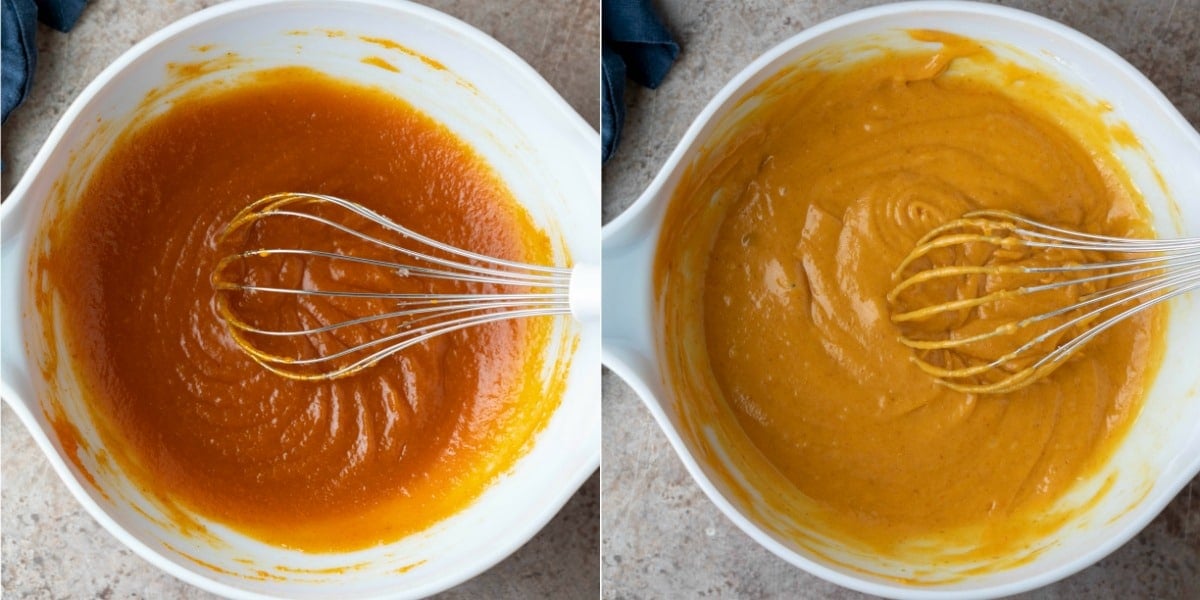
[802, 215]
[312, 465]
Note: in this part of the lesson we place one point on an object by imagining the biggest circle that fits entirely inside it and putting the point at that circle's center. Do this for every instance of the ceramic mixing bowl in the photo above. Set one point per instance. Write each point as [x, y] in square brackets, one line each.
[538, 145]
[1161, 451]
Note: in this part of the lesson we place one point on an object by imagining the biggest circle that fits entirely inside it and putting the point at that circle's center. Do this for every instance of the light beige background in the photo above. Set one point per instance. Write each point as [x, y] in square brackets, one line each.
[51, 548]
[662, 538]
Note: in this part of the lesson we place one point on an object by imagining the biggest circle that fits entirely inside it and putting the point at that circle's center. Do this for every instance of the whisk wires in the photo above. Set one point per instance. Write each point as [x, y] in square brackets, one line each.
[310, 323]
[972, 298]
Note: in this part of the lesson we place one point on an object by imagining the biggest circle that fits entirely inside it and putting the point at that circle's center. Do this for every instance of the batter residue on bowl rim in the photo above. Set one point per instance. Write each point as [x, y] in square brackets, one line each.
[318, 466]
[772, 270]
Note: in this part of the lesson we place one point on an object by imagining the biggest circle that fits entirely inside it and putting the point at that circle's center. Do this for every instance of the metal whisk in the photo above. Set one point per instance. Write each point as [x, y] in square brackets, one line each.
[975, 297]
[304, 330]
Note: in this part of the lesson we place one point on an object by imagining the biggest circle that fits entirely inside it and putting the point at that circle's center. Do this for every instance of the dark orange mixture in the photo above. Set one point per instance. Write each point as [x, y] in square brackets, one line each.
[313, 465]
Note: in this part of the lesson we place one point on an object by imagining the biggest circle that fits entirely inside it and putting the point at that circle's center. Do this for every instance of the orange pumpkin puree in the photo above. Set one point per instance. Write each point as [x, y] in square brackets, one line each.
[318, 466]
[777, 254]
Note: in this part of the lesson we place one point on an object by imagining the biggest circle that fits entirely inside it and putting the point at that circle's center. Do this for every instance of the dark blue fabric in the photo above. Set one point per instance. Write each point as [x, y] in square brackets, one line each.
[612, 112]
[635, 43]
[20, 46]
[60, 14]
[20, 55]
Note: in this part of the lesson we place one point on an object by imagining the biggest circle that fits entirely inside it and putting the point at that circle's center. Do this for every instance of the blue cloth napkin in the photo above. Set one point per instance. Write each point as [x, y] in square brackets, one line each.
[635, 44]
[19, 22]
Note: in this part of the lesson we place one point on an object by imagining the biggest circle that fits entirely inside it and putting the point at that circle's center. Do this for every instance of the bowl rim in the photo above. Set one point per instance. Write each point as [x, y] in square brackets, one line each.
[15, 224]
[646, 212]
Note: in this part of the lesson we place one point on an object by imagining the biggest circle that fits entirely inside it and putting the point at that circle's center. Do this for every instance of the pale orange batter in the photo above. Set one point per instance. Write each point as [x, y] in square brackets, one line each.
[313, 465]
[778, 253]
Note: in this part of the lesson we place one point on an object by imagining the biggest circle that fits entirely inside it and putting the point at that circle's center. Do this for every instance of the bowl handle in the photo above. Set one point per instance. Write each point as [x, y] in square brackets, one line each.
[627, 300]
[15, 385]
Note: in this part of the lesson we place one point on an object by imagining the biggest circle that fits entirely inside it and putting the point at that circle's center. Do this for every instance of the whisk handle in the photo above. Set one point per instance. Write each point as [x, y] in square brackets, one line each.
[584, 293]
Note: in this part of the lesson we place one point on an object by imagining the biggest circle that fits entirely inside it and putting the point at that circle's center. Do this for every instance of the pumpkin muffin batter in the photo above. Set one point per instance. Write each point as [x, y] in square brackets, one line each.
[319, 466]
[778, 251]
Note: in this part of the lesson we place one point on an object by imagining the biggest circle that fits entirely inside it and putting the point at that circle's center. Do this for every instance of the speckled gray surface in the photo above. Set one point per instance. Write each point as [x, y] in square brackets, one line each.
[51, 548]
[661, 537]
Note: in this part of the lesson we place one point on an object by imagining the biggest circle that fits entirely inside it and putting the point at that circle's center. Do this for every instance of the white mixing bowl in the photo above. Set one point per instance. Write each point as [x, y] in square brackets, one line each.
[1161, 452]
[543, 150]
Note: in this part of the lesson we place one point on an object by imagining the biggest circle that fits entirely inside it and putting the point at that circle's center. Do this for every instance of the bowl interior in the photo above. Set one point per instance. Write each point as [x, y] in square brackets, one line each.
[1159, 454]
[542, 150]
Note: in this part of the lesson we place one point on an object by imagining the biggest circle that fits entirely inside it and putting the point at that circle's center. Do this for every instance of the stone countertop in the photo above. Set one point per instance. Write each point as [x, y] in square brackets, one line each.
[661, 537]
[51, 548]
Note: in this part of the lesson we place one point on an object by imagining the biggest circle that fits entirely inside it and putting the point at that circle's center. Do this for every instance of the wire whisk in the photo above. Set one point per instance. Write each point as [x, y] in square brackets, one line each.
[360, 287]
[992, 302]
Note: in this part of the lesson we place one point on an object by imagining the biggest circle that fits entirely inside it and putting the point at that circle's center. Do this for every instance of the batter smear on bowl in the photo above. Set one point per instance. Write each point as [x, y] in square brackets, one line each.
[775, 262]
[320, 466]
